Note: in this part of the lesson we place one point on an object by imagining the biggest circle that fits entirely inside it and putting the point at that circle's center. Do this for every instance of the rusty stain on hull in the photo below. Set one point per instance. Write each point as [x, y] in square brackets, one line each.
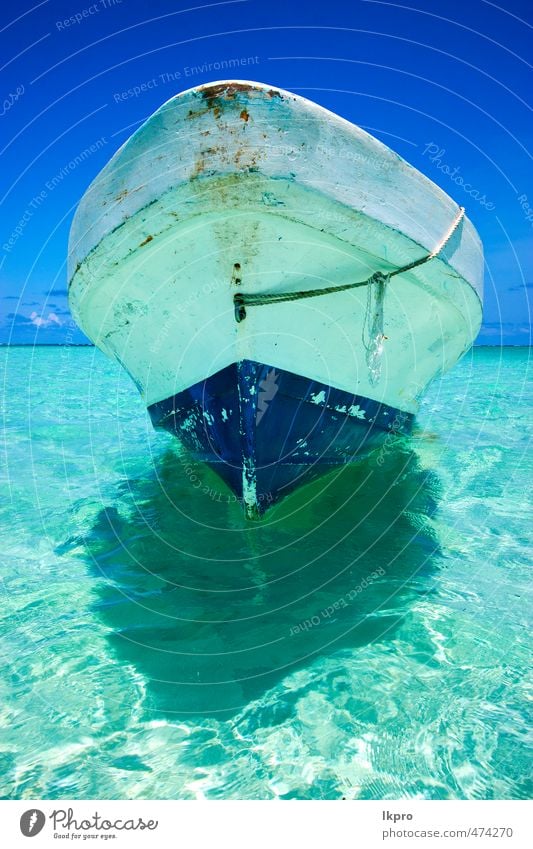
[306, 215]
[199, 167]
[217, 96]
[228, 90]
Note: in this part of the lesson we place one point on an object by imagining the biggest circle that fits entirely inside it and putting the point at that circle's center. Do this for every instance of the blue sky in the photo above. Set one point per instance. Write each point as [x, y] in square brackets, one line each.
[445, 85]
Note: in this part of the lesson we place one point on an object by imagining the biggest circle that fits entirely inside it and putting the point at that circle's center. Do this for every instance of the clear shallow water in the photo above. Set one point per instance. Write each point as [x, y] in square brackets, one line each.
[369, 639]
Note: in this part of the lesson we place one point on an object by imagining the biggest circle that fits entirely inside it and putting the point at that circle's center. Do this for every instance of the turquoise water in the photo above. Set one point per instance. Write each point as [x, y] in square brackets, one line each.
[369, 639]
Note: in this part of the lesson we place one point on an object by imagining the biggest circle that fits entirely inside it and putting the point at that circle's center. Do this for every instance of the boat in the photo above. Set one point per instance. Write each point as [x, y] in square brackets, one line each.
[280, 285]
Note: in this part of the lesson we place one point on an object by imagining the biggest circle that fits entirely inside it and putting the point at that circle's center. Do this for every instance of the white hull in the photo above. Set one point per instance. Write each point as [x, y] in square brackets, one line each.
[299, 198]
[235, 187]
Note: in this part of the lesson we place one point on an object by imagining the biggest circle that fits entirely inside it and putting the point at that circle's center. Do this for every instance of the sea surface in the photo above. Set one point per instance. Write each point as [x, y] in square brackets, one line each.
[369, 639]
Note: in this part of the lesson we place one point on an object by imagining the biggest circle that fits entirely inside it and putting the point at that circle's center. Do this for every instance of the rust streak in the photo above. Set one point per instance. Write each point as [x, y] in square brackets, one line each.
[229, 91]
[236, 277]
[198, 168]
[145, 242]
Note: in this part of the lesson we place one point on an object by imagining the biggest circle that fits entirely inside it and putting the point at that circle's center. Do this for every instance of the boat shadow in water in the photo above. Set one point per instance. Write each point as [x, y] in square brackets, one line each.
[213, 611]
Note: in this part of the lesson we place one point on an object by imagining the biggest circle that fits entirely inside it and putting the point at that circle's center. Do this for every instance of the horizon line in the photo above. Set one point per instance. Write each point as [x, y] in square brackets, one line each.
[91, 345]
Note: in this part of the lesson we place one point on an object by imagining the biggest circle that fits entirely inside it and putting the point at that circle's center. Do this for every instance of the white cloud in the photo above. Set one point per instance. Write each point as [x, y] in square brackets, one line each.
[40, 321]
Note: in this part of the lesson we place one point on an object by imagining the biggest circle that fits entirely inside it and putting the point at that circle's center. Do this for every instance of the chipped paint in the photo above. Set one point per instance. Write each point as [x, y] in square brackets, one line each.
[214, 91]
[190, 422]
[356, 411]
[263, 463]
[253, 172]
[268, 389]
[249, 491]
[246, 377]
[270, 199]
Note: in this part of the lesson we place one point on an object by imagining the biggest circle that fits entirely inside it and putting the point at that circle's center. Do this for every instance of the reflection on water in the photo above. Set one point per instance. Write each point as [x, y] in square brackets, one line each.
[213, 610]
[93, 626]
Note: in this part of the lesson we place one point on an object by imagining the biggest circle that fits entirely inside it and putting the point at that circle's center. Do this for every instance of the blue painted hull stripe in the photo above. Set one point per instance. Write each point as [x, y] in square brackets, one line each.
[276, 428]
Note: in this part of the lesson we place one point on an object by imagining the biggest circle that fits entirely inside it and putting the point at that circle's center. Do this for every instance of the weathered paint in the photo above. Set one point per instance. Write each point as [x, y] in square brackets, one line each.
[296, 439]
[238, 187]
[287, 136]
